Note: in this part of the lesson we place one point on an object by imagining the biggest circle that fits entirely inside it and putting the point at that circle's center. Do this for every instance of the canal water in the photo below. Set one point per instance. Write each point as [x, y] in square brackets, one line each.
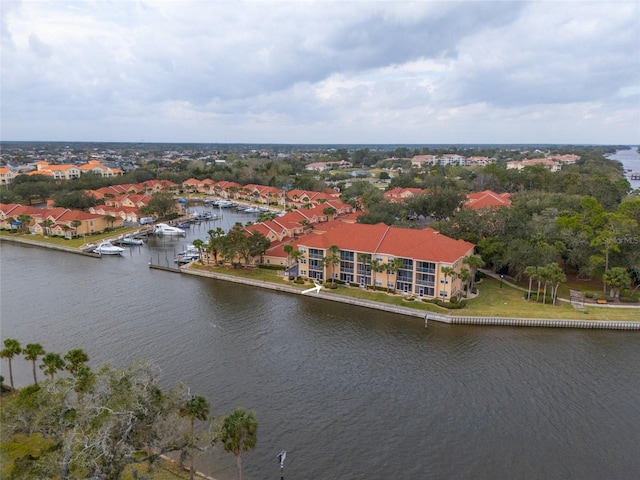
[630, 160]
[349, 393]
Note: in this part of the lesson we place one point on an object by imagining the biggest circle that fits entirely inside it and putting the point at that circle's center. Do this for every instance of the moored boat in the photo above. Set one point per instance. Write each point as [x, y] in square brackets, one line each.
[107, 248]
[165, 229]
[129, 240]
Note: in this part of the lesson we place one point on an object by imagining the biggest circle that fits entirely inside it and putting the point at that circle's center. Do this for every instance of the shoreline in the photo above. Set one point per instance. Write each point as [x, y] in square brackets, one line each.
[407, 311]
[427, 316]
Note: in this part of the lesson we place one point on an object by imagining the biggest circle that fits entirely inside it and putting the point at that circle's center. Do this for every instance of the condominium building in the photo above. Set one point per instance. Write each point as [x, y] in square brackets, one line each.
[405, 260]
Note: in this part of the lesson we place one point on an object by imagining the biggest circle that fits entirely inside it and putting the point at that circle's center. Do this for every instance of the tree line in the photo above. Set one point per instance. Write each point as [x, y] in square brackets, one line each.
[94, 423]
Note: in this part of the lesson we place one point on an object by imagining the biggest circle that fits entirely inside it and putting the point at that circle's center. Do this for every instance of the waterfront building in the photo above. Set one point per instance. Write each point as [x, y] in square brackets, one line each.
[406, 260]
[55, 221]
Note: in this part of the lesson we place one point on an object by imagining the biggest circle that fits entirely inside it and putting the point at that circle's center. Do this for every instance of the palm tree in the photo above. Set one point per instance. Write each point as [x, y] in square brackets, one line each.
[75, 224]
[447, 272]
[556, 276]
[375, 268]
[11, 349]
[46, 226]
[238, 434]
[288, 249]
[109, 219]
[196, 408]
[329, 212]
[332, 259]
[393, 267]
[52, 363]
[475, 262]
[365, 260]
[465, 276]
[75, 359]
[545, 276]
[296, 255]
[532, 273]
[199, 244]
[24, 220]
[32, 351]
[216, 238]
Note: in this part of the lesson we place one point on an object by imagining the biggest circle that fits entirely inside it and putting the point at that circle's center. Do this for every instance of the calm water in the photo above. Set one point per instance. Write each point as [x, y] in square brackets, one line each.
[349, 393]
[630, 160]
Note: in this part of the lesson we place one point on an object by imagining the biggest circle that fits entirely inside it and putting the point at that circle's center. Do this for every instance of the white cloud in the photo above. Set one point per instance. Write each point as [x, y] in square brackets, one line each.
[339, 72]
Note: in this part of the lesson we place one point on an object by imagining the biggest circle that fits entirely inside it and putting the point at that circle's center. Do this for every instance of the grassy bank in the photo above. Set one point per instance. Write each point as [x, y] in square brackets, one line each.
[492, 300]
[73, 242]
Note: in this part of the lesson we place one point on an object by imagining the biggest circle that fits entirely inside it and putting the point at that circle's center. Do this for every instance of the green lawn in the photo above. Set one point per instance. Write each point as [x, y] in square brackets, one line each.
[492, 301]
[509, 302]
[73, 243]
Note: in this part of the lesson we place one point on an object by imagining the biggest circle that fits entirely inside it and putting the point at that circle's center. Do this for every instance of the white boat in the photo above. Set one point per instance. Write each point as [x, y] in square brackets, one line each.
[129, 240]
[164, 229]
[252, 210]
[224, 203]
[190, 254]
[107, 248]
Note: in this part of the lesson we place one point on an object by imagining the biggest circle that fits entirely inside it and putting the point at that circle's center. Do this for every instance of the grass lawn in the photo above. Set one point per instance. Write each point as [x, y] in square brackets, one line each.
[492, 300]
[509, 302]
[73, 243]
[260, 274]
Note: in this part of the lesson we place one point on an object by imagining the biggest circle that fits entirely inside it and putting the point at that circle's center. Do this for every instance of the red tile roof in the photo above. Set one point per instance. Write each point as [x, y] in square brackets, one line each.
[487, 199]
[426, 244]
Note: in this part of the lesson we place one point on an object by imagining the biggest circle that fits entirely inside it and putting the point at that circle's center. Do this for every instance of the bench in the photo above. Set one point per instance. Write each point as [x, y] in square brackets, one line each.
[601, 301]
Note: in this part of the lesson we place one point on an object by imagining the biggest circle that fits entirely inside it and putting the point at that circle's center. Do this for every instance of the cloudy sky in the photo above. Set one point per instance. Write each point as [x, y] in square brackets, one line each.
[326, 71]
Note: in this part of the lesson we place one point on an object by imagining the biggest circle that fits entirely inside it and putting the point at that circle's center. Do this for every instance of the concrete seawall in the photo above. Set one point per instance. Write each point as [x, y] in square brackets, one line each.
[427, 316]
[60, 248]
[533, 322]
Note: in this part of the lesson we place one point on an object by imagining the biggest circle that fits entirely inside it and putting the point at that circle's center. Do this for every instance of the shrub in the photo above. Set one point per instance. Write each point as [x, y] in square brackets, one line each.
[272, 267]
[447, 305]
[630, 299]
[454, 299]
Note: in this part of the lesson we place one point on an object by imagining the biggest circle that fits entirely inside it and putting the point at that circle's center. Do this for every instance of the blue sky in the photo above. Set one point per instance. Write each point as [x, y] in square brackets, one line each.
[321, 71]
